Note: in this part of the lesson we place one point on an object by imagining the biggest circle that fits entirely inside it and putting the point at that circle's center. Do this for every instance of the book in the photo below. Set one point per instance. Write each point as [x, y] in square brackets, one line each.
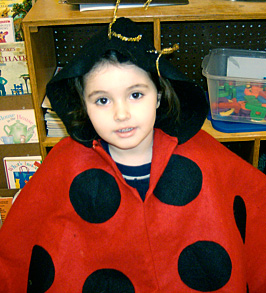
[19, 170]
[127, 2]
[5, 206]
[7, 31]
[54, 125]
[18, 126]
[6, 7]
[85, 6]
[14, 74]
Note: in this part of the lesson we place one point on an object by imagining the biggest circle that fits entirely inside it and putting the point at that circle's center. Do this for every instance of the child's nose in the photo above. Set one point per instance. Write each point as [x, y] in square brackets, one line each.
[121, 112]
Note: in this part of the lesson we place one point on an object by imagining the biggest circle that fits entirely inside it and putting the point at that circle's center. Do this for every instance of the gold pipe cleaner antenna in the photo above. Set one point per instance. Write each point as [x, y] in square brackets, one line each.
[138, 38]
[119, 36]
[164, 51]
[146, 4]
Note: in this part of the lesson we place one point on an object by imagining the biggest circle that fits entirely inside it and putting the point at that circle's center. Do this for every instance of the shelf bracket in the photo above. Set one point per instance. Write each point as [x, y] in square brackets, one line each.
[33, 29]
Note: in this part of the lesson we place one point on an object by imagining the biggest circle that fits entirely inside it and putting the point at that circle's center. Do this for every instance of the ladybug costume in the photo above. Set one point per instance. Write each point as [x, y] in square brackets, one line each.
[77, 226]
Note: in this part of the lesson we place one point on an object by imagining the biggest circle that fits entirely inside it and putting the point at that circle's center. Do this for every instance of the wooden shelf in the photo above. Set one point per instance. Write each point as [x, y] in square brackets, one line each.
[51, 12]
[51, 141]
[256, 137]
[240, 136]
[8, 192]
[16, 102]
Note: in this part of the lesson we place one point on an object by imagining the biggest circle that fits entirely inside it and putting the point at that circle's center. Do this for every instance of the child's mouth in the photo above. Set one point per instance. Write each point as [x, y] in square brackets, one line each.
[125, 130]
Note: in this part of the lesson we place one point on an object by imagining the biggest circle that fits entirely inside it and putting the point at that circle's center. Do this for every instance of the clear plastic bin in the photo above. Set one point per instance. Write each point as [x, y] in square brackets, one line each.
[236, 85]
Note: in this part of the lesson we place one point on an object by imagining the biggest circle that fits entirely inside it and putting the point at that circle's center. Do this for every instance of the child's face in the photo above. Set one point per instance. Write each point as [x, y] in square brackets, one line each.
[121, 103]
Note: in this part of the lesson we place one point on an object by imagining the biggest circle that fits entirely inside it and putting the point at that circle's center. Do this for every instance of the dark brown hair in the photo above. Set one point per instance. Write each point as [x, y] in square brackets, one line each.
[169, 101]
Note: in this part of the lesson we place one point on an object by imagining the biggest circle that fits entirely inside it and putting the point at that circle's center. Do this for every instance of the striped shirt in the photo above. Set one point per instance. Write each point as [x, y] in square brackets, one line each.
[136, 176]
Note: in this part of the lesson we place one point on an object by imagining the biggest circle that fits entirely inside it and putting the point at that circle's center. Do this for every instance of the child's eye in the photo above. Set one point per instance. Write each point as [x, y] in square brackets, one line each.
[102, 101]
[136, 96]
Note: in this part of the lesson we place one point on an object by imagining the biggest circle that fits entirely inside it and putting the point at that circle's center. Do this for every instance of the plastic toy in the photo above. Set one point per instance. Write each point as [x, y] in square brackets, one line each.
[243, 102]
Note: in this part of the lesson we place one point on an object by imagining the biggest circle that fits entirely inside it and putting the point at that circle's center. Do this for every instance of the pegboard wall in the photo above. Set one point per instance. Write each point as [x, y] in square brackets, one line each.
[195, 40]
[70, 39]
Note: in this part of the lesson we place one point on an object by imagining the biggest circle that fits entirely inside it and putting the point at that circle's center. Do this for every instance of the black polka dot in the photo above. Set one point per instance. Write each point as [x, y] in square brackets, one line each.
[41, 271]
[204, 266]
[180, 183]
[95, 195]
[108, 281]
[240, 214]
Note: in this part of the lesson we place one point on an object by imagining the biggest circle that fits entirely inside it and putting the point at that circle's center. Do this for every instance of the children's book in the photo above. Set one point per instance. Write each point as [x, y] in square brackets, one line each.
[6, 7]
[7, 32]
[19, 170]
[14, 74]
[5, 206]
[18, 126]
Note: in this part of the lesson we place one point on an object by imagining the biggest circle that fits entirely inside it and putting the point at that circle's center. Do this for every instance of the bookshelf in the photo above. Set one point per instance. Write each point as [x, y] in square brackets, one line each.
[17, 102]
[53, 31]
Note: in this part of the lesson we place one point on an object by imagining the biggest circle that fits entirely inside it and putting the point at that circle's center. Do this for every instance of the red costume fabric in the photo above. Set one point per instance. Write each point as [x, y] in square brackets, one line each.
[78, 227]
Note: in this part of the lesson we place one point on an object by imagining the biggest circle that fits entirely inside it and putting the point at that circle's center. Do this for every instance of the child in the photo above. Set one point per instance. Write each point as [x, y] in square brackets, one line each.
[138, 198]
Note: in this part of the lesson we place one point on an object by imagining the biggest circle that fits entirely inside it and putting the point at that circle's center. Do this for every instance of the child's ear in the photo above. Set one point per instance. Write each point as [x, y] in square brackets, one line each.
[159, 96]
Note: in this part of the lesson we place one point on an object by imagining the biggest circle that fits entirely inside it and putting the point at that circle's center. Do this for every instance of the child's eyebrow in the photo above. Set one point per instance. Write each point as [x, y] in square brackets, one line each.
[138, 85]
[94, 93]
[102, 92]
